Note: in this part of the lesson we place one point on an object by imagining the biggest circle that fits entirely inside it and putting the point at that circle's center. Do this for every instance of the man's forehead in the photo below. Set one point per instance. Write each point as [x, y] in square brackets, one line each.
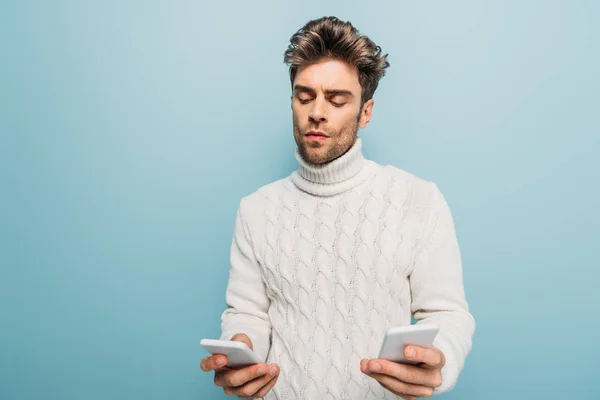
[328, 76]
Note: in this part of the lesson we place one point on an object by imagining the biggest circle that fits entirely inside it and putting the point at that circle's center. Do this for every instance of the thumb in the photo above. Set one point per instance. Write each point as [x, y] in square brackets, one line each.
[242, 337]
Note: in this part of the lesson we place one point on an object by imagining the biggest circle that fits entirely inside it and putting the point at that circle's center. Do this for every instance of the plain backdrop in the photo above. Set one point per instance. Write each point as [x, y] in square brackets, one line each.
[130, 130]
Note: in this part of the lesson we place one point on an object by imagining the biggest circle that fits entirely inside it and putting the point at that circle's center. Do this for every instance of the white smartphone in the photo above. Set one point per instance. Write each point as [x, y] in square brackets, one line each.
[397, 338]
[238, 353]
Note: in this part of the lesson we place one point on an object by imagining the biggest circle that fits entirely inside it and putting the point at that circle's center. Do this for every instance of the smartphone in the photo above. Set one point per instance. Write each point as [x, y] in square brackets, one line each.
[397, 338]
[238, 353]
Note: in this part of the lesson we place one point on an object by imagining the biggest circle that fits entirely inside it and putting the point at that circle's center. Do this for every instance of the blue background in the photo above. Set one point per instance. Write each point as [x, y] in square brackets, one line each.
[130, 131]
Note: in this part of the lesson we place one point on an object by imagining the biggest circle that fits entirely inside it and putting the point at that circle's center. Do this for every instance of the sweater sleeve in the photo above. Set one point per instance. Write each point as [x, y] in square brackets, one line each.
[438, 293]
[246, 299]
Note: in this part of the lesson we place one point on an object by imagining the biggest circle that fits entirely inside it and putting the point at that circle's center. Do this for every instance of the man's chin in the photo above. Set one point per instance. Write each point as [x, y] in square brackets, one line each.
[314, 157]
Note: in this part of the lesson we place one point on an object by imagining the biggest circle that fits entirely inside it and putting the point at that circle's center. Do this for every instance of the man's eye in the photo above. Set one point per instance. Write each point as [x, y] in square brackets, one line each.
[303, 100]
[335, 104]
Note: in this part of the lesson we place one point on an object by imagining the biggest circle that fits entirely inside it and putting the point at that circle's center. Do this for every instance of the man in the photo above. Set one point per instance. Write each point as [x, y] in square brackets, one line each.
[324, 261]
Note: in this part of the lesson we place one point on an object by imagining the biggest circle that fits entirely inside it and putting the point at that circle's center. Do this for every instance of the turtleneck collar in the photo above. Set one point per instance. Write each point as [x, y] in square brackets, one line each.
[335, 177]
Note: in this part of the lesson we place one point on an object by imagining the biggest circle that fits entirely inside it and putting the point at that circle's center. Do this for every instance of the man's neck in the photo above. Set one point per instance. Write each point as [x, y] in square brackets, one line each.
[333, 177]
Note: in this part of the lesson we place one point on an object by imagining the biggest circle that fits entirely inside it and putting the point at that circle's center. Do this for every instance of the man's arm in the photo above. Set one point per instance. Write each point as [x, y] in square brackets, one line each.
[438, 294]
[247, 302]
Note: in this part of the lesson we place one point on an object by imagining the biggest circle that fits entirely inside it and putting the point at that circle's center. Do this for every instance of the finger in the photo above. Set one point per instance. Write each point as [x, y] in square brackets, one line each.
[236, 378]
[403, 396]
[402, 388]
[251, 388]
[211, 363]
[263, 392]
[405, 373]
[242, 337]
[430, 356]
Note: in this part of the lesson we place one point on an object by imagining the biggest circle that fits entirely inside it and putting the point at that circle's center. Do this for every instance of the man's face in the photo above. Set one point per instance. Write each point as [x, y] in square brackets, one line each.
[326, 110]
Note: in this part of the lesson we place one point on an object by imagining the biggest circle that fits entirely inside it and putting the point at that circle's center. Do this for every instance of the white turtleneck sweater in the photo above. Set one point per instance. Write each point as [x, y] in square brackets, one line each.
[324, 261]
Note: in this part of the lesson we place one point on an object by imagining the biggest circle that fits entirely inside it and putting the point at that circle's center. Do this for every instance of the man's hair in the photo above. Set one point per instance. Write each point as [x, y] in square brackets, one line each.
[329, 37]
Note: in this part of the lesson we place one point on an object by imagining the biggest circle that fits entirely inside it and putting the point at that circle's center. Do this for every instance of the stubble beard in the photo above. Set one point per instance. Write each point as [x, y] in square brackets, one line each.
[339, 142]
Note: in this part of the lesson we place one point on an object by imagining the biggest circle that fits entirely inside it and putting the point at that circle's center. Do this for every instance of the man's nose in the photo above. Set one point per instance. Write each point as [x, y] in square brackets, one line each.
[317, 113]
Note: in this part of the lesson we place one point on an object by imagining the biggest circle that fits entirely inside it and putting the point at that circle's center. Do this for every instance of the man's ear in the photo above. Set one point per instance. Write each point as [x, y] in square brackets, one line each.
[365, 113]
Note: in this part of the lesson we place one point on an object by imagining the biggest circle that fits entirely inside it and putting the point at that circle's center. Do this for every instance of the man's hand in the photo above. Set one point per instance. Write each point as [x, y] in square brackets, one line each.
[408, 381]
[253, 381]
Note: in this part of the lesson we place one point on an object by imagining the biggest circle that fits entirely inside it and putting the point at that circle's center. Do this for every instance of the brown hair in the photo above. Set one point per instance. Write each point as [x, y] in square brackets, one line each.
[329, 37]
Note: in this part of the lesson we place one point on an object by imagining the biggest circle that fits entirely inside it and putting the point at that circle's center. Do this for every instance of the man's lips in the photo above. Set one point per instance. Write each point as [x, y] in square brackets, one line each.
[316, 135]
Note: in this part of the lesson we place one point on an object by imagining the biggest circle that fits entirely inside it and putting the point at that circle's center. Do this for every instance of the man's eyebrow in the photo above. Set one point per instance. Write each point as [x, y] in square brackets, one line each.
[301, 88]
[329, 92]
[338, 92]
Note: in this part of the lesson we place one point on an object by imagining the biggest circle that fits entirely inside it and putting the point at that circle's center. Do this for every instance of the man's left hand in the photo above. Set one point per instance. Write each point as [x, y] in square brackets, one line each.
[408, 381]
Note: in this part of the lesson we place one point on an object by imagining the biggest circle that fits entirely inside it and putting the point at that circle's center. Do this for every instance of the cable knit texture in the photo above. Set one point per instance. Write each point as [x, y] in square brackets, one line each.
[324, 261]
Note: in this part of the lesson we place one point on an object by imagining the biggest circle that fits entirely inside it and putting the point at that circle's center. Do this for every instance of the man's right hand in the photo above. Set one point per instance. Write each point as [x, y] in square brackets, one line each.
[253, 381]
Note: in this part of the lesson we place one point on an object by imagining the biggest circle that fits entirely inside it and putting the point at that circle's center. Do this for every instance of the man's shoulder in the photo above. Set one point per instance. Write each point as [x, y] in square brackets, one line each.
[411, 190]
[413, 182]
[270, 192]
